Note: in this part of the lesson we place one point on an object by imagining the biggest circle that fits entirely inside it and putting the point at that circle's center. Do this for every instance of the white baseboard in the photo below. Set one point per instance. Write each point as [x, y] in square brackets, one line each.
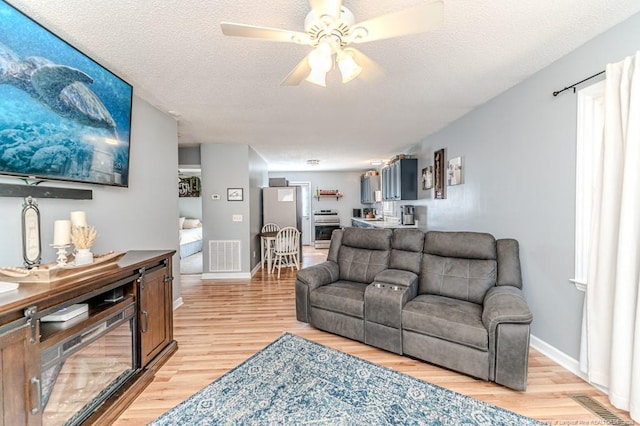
[226, 276]
[177, 303]
[571, 364]
[255, 269]
[238, 275]
[554, 354]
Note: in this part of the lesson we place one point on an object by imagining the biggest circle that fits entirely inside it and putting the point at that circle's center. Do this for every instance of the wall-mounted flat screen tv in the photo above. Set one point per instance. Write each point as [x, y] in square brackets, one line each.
[62, 115]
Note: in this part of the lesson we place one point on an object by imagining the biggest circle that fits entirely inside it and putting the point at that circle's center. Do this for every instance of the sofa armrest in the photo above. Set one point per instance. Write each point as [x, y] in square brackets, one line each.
[505, 304]
[318, 275]
[507, 318]
[397, 277]
[309, 279]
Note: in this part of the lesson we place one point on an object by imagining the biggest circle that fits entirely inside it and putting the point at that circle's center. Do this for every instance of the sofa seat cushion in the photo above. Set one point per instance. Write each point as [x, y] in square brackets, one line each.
[449, 319]
[345, 297]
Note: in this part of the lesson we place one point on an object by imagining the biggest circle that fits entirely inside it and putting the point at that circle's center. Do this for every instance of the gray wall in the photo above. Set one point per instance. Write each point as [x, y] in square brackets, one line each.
[190, 207]
[189, 155]
[519, 171]
[231, 166]
[142, 216]
[258, 178]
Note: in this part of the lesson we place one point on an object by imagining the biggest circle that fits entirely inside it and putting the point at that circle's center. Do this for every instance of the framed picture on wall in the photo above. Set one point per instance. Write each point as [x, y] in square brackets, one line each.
[189, 186]
[427, 178]
[439, 167]
[454, 171]
[234, 194]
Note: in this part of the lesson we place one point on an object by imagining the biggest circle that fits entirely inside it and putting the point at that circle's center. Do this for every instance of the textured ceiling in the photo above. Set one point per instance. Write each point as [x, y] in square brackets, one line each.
[227, 89]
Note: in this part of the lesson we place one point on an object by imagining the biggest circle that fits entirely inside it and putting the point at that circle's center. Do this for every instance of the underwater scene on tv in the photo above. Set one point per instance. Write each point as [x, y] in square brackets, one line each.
[62, 115]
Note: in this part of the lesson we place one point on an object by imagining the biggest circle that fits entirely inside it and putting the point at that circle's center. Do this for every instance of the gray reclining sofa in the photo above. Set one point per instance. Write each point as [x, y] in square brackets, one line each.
[449, 298]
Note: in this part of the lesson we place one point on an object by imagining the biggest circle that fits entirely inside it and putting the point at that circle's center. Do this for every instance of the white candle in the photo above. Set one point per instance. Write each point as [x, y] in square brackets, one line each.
[61, 232]
[78, 219]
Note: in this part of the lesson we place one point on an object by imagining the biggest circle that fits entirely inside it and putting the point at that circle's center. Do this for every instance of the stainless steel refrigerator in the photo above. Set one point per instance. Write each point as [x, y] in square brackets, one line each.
[282, 205]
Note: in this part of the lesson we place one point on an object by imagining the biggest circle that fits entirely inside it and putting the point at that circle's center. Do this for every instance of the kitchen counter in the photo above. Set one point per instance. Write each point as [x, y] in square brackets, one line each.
[360, 222]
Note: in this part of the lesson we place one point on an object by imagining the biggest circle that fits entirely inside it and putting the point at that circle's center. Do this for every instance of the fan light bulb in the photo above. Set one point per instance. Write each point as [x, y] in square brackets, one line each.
[349, 68]
[318, 77]
[320, 61]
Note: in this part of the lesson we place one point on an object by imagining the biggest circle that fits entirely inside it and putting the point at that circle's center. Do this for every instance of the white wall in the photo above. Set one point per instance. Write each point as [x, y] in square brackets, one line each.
[519, 170]
[140, 217]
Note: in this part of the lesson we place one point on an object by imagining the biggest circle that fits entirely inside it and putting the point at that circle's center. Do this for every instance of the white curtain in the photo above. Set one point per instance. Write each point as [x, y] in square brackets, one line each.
[613, 297]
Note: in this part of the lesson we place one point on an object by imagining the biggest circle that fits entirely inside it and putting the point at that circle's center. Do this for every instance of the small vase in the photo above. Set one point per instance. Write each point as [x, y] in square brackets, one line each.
[83, 257]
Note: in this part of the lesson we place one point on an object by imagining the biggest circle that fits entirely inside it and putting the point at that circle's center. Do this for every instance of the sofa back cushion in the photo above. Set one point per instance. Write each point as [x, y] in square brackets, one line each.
[463, 279]
[509, 272]
[334, 245]
[367, 238]
[466, 245]
[406, 249]
[461, 265]
[363, 253]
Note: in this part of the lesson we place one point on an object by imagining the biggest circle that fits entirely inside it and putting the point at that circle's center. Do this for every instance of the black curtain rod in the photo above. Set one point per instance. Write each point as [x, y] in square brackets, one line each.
[573, 86]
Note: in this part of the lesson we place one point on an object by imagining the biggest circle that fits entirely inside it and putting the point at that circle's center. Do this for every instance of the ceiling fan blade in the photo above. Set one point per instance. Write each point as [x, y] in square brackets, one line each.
[326, 7]
[297, 74]
[423, 17]
[272, 34]
[371, 71]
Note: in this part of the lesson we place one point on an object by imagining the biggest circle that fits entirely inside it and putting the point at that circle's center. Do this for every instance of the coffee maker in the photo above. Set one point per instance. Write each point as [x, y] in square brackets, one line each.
[407, 214]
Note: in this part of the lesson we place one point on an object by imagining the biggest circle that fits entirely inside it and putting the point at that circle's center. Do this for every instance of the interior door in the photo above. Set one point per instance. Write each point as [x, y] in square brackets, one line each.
[306, 211]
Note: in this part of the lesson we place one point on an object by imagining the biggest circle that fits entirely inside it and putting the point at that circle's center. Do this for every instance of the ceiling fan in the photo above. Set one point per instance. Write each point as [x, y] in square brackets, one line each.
[330, 29]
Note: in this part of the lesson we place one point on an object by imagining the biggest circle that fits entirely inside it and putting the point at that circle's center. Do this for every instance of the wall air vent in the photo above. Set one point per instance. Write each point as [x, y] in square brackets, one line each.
[224, 256]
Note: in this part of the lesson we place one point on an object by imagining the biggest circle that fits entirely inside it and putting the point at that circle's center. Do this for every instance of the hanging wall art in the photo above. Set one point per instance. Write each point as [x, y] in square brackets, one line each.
[454, 171]
[439, 166]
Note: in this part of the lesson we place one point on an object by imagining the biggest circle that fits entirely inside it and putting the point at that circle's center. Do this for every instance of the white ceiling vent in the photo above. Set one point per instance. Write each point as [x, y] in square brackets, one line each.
[224, 256]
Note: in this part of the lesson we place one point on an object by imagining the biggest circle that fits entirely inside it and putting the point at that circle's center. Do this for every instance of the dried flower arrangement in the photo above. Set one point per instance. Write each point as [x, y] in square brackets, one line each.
[83, 237]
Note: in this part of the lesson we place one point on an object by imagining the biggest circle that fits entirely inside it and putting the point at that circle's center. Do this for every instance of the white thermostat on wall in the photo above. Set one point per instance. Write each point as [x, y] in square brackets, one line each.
[215, 196]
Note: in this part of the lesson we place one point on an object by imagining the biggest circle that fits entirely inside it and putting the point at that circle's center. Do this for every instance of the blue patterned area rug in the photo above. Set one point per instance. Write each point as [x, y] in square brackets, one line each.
[296, 381]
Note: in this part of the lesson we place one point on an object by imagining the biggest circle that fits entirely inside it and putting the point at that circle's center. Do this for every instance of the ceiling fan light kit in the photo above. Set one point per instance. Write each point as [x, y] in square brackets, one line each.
[349, 68]
[320, 61]
[330, 28]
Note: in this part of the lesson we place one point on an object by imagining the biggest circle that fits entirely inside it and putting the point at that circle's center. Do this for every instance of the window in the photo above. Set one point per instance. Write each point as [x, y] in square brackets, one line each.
[589, 135]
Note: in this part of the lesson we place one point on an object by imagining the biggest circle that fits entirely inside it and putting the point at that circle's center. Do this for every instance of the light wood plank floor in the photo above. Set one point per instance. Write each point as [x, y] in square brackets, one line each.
[223, 322]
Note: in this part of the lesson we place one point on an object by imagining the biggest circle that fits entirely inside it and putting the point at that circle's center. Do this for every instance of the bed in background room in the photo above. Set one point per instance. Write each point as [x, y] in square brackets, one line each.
[190, 237]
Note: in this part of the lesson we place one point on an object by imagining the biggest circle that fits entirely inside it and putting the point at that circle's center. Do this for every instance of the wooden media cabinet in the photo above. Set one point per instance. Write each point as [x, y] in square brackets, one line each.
[121, 340]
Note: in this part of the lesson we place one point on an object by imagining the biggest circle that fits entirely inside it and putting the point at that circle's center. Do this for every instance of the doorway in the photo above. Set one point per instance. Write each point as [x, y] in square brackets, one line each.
[190, 223]
[306, 210]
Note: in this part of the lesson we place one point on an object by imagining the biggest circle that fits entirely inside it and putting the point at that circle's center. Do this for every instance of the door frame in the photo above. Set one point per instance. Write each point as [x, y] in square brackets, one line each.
[307, 236]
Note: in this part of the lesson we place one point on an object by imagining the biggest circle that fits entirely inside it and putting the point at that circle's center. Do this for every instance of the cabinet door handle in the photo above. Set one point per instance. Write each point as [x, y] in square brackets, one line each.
[146, 321]
[38, 388]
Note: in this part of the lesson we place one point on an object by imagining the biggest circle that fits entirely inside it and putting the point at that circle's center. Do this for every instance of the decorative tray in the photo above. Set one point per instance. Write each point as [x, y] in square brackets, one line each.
[51, 272]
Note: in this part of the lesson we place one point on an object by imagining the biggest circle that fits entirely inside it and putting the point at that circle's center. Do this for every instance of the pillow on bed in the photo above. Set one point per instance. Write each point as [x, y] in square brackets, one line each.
[181, 222]
[191, 223]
